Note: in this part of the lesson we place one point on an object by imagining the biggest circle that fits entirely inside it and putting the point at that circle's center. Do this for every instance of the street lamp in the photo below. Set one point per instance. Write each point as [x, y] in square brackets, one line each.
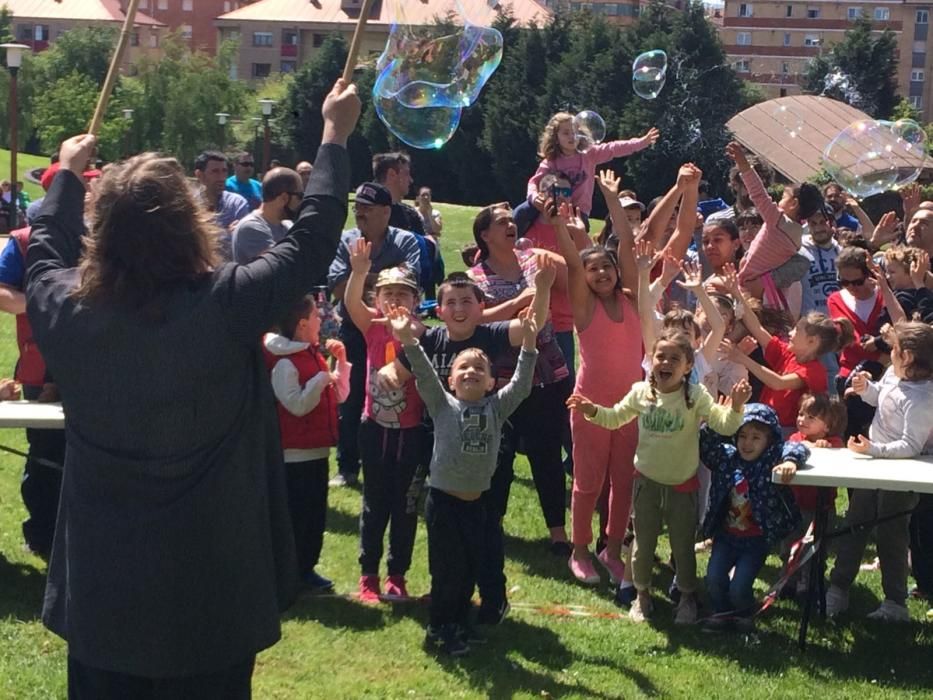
[128, 116]
[14, 59]
[266, 105]
[256, 122]
[222, 120]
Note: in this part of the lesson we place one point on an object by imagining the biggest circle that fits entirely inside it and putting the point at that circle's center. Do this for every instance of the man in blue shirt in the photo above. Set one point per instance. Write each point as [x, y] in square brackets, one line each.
[228, 208]
[835, 197]
[391, 247]
[242, 181]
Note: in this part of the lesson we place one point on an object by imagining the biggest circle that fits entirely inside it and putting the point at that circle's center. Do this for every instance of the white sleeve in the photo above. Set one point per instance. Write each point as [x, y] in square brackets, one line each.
[297, 400]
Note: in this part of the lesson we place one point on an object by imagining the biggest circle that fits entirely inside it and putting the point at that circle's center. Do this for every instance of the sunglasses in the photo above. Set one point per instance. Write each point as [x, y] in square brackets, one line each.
[250, 164]
[561, 192]
[851, 283]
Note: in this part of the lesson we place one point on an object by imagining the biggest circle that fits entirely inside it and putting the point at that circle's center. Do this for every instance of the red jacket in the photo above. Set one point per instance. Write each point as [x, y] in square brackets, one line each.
[854, 353]
[319, 427]
[30, 370]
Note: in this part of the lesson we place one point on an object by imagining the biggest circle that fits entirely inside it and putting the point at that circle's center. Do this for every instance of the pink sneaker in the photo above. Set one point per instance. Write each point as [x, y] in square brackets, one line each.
[583, 570]
[615, 567]
[395, 588]
[369, 589]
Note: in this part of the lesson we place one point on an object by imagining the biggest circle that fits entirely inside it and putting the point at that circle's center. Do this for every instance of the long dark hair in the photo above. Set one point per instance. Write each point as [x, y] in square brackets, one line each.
[481, 224]
[148, 234]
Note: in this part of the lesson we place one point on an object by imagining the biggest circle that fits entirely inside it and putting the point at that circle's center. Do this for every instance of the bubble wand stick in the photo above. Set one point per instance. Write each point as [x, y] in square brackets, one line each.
[114, 69]
[357, 39]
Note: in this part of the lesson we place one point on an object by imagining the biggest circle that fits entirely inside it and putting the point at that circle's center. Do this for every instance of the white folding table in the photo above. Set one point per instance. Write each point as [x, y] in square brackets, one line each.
[31, 414]
[847, 469]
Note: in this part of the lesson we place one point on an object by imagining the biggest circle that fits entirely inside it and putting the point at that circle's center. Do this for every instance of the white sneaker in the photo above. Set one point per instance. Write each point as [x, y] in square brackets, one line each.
[837, 601]
[641, 609]
[889, 611]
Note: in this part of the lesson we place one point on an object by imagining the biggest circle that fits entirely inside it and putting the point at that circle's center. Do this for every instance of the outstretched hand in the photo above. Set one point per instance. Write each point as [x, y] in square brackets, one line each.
[737, 154]
[401, 323]
[919, 269]
[529, 329]
[609, 183]
[693, 277]
[578, 402]
[859, 444]
[645, 256]
[360, 253]
[341, 111]
[651, 136]
[547, 271]
[740, 394]
[858, 384]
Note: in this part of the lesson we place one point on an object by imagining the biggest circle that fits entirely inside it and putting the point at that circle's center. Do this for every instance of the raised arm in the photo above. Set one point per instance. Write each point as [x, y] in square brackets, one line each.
[518, 388]
[645, 259]
[756, 188]
[749, 317]
[426, 379]
[660, 216]
[693, 282]
[891, 303]
[770, 378]
[577, 289]
[360, 264]
[688, 181]
[609, 186]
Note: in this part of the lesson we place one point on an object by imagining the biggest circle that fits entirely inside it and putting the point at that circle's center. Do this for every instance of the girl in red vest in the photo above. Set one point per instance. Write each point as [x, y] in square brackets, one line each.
[307, 394]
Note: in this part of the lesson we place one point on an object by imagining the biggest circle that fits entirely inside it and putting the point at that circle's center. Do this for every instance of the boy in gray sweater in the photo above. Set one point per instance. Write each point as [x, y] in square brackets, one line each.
[467, 431]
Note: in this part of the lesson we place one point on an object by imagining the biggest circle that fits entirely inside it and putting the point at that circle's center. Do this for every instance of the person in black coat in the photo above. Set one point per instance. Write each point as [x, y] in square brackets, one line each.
[173, 554]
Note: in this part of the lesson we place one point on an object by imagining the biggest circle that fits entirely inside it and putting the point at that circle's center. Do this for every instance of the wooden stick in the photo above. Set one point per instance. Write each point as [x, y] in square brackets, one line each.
[114, 69]
[357, 40]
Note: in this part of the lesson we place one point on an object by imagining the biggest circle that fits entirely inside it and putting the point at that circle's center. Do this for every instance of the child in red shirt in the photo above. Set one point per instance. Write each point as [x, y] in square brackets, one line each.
[793, 366]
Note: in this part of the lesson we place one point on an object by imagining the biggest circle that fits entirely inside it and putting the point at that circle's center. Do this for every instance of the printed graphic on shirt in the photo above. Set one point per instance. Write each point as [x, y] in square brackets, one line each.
[386, 405]
[659, 420]
[821, 279]
[474, 437]
[739, 517]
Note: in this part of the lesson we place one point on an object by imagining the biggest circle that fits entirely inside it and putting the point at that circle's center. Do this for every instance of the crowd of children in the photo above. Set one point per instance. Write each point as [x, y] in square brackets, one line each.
[694, 403]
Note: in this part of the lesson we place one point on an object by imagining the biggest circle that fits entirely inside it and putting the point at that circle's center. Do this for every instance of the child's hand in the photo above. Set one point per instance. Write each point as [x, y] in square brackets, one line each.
[919, 269]
[730, 280]
[859, 444]
[337, 349]
[740, 394]
[529, 329]
[821, 443]
[359, 256]
[670, 268]
[400, 320]
[609, 183]
[578, 402]
[651, 137]
[539, 201]
[547, 271]
[785, 470]
[645, 256]
[737, 154]
[859, 384]
[688, 175]
[9, 390]
[747, 345]
[693, 277]
[877, 274]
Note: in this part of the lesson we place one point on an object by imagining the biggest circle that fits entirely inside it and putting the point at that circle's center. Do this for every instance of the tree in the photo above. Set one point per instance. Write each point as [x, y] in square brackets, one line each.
[860, 70]
[905, 110]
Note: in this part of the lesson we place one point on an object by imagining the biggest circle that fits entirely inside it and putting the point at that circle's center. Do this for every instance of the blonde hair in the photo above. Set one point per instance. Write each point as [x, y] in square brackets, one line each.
[549, 144]
[903, 255]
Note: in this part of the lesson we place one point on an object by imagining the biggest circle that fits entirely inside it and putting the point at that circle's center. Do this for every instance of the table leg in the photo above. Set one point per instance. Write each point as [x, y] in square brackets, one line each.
[816, 588]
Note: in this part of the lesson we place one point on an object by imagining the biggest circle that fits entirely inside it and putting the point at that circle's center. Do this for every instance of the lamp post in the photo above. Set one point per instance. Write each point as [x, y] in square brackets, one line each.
[222, 121]
[14, 59]
[267, 105]
[256, 122]
[128, 116]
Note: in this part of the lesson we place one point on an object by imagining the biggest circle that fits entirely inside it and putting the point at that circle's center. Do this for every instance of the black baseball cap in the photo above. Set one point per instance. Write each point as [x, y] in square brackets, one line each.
[373, 193]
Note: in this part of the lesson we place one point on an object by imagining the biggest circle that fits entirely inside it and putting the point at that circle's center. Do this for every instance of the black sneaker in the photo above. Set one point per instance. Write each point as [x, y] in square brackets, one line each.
[674, 593]
[716, 624]
[624, 597]
[315, 583]
[446, 639]
[492, 614]
[470, 635]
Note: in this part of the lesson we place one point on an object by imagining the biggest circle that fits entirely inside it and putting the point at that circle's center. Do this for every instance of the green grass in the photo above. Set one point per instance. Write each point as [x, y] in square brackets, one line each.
[24, 162]
[336, 648]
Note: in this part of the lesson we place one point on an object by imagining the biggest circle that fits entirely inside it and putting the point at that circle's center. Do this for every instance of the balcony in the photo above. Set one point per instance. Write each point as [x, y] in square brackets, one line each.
[289, 50]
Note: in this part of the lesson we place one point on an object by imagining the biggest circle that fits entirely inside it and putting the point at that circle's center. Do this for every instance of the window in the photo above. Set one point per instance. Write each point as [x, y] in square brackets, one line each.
[882, 14]
[745, 10]
[163, 4]
[24, 32]
[812, 40]
[743, 38]
[288, 67]
[785, 68]
[317, 40]
[743, 66]
[923, 17]
[186, 32]
[813, 13]
[915, 101]
[262, 38]
[289, 37]
[153, 41]
[916, 75]
[786, 39]
[262, 70]
[783, 92]
[789, 11]
[187, 5]
[134, 39]
[854, 13]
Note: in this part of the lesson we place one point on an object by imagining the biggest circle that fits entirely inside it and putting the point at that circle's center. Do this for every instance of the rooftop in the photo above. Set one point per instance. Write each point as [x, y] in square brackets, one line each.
[74, 10]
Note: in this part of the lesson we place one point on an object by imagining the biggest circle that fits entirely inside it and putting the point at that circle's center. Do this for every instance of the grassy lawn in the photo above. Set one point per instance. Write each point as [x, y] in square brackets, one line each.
[335, 648]
[24, 162]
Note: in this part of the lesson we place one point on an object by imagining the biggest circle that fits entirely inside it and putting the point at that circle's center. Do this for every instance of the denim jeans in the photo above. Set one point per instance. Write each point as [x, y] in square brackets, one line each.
[747, 555]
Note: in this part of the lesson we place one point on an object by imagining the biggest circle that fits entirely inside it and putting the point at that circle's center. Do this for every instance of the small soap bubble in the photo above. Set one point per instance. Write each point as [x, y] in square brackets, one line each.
[649, 72]
[789, 119]
[588, 129]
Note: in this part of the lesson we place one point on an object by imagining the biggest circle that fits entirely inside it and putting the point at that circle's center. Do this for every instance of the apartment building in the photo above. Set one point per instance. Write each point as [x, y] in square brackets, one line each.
[38, 24]
[276, 36]
[194, 19]
[623, 13]
[770, 42]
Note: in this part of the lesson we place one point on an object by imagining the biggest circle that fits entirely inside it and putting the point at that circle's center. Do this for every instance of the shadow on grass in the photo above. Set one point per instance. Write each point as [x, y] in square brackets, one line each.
[502, 667]
[341, 522]
[22, 588]
[337, 611]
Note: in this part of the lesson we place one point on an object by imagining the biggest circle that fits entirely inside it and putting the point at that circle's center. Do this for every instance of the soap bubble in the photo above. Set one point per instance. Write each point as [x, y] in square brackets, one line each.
[789, 119]
[910, 132]
[649, 71]
[424, 127]
[863, 158]
[908, 149]
[588, 129]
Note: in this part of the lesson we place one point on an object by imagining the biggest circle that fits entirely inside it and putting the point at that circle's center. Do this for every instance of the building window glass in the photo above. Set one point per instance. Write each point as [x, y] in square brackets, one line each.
[262, 70]
[262, 38]
[789, 11]
[186, 32]
[854, 12]
[743, 38]
[786, 39]
[745, 10]
[317, 40]
[743, 66]
[288, 67]
[785, 68]
[811, 40]
[923, 17]
[916, 75]
[813, 13]
[915, 101]
[153, 41]
[882, 14]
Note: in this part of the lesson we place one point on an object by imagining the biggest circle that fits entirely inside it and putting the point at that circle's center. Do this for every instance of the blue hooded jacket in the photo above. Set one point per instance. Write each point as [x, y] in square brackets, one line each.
[773, 505]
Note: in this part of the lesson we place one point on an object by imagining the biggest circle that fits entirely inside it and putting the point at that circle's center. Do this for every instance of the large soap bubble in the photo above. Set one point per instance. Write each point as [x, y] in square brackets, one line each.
[649, 71]
[908, 149]
[863, 159]
[424, 127]
[588, 129]
[789, 119]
